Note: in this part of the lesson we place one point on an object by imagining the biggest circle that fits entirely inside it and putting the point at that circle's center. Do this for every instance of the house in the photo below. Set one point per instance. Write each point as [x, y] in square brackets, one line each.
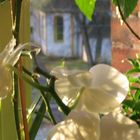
[55, 27]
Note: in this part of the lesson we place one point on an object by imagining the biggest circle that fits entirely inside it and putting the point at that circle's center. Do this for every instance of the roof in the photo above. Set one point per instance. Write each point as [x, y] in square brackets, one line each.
[55, 5]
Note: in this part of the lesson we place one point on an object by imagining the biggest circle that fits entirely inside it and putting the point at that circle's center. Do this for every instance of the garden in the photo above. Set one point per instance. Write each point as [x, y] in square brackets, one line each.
[97, 102]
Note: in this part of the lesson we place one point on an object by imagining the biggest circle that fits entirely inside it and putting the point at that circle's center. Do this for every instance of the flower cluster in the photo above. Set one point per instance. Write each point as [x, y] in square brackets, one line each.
[101, 90]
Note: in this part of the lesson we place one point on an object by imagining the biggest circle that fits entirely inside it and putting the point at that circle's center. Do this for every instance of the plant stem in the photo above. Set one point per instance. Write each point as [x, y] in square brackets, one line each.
[15, 77]
[16, 104]
[16, 15]
[23, 102]
[37, 121]
[44, 73]
[64, 108]
[45, 98]
[41, 112]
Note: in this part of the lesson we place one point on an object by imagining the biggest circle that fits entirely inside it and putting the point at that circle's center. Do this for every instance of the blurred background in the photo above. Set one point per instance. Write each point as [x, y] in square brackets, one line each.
[67, 37]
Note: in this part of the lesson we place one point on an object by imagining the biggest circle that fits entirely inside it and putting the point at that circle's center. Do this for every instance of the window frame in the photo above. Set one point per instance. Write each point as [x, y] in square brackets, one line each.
[58, 35]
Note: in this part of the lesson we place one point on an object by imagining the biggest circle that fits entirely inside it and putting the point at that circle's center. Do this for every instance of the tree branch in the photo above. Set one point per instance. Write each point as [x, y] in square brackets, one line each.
[126, 23]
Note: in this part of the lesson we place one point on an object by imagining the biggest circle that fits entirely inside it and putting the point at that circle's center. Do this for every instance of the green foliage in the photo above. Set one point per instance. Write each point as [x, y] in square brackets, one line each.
[87, 7]
[127, 6]
[132, 103]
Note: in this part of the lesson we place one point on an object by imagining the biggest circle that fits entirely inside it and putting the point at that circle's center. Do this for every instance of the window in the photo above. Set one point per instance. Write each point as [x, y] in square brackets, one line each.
[58, 28]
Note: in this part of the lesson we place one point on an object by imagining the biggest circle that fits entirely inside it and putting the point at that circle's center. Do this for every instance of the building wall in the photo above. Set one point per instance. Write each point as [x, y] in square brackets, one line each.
[124, 43]
[43, 34]
[58, 48]
[35, 26]
[120, 57]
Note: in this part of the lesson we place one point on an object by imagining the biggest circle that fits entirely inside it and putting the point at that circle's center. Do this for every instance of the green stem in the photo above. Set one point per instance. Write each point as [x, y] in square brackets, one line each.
[16, 104]
[16, 20]
[45, 98]
[37, 121]
[33, 106]
[44, 73]
[46, 101]
[41, 112]
[63, 107]
[16, 10]
[30, 80]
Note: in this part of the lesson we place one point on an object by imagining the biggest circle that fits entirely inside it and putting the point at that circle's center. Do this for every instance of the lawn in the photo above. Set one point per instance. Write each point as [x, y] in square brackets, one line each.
[50, 63]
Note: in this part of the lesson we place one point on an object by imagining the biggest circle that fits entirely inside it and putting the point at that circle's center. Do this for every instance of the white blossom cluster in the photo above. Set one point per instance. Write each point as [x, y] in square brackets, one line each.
[101, 90]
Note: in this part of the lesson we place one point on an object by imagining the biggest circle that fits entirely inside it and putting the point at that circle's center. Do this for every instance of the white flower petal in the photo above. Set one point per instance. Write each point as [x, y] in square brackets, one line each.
[116, 126]
[77, 126]
[104, 88]
[110, 82]
[96, 100]
[10, 56]
[5, 82]
[14, 57]
[5, 54]
[66, 91]
[61, 72]
[82, 79]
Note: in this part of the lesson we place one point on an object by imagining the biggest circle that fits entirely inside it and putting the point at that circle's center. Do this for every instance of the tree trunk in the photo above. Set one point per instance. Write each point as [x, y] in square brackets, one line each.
[98, 47]
[84, 31]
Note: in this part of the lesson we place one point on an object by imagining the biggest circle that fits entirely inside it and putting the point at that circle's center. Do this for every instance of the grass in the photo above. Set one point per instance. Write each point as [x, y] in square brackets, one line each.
[74, 63]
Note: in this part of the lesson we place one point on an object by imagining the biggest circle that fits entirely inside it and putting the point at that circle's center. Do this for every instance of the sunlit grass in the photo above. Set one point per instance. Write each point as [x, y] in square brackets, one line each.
[73, 63]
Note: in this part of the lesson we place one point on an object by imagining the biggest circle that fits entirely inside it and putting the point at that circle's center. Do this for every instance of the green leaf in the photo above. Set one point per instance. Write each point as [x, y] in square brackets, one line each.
[134, 62]
[37, 121]
[132, 71]
[134, 116]
[127, 6]
[87, 7]
[134, 80]
[137, 95]
[137, 106]
[33, 106]
[134, 88]
[129, 103]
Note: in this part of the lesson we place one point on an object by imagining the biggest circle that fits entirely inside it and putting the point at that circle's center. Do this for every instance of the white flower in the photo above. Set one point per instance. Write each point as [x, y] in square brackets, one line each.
[102, 89]
[116, 126]
[9, 57]
[78, 125]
